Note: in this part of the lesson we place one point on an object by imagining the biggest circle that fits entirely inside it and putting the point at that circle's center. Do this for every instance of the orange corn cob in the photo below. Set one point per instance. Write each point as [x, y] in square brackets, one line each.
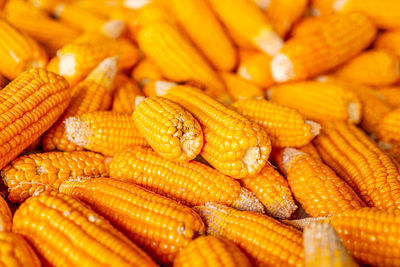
[57, 222]
[317, 188]
[153, 87]
[240, 88]
[232, 144]
[35, 173]
[104, 132]
[102, 8]
[16, 252]
[155, 12]
[47, 5]
[211, 251]
[201, 24]
[266, 241]
[389, 126]
[128, 16]
[191, 183]
[166, 228]
[301, 224]
[145, 71]
[285, 126]
[169, 129]
[318, 101]
[324, 7]
[392, 149]
[307, 26]
[30, 104]
[391, 94]
[5, 216]
[339, 38]
[374, 67]
[273, 191]
[361, 163]
[310, 150]
[124, 97]
[389, 40]
[90, 95]
[256, 68]
[322, 247]
[18, 52]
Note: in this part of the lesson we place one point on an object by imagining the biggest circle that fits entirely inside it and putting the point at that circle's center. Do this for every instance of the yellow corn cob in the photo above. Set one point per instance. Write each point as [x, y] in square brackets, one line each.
[389, 40]
[318, 101]
[389, 126]
[169, 129]
[5, 216]
[128, 16]
[177, 59]
[240, 88]
[374, 67]
[391, 94]
[301, 224]
[64, 232]
[232, 144]
[246, 53]
[307, 26]
[30, 104]
[200, 23]
[317, 188]
[155, 12]
[124, 97]
[18, 52]
[392, 149]
[339, 38]
[102, 8]
[273, 191]
[310, 150]
[286, 127]
[48, 5]
[256, 68]
[145, 71]
[16, 252]
[324, 7]
[191, 183]
[40, 172]
[211, 251]
[266, 241]
[49, 32]
[284, 13]
[166, 228]
[361, 163]
[104, 132]
[151, 88]
[322, 247]
[90, 95]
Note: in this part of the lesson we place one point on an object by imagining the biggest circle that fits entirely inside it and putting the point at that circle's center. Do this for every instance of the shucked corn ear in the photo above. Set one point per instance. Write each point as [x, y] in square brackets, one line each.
[5, 216]
[15, 251]
[18, 52]
[389, 126]
[201, 24]
[30, 104]
[190, 183]
[169, 129]
[361, 163]
[232, 144]
[92, 94]
[104, 132]
[255, 31]
[125, 95]
[211, 251]
[166, 228]
[338, 38]
[389, 40]
[40, 172]
[256, 68]
[266, 241]
[239, 88]
[317, 188]
[58, 222]
[285, 126]
[391, 94]
[318, 101]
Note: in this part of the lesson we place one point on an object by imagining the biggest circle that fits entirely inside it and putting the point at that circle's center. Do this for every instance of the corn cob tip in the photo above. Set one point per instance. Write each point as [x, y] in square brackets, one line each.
[384, 145]
[206, 213]
[315, 127]
[77, 131]
[268, 41]
[58, 9]
[113, 28]
[66, 64]
[282, 68]
[34, 64]
[162, 87]
[138, 99]
[339, 4]
[303, 223]
[354, 112]
[289, 155]
[105, 72]
[248, 201]
[136, 4]
[263, 4]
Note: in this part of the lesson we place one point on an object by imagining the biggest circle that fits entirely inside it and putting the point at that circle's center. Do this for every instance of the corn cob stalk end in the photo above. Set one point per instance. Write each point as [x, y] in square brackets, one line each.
[248, 201]
[105, 72]
[268, 41]
[77, 131]
[282, 68]
[113, 28]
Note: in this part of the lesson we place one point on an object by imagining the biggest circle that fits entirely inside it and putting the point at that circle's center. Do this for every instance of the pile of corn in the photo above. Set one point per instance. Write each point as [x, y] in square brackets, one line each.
[200, 133]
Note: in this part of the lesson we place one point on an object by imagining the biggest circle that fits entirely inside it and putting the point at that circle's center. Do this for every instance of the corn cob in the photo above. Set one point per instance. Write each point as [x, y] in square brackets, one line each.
[102, 8]
[256, 68]
[361, 163]
[16, 252]
[389, 40]
[166, 228]
[155, 12]
[104, 132]
[273, 191]
[124, 97]
[169, 129]
[310, 150]
[48, 5]
[80, 236]
[265, 241]
[389, 126]
[5, 216]
[151, 88]
[285, 126]
[18, 52]
[145, 71]
[191, 183]
[322, 247]
[392, 149]
[318, 101]
[374, 67]
[90, 95]
[30, 104]
[338, 38]
[128, 16]
[307, 26]
[211, 251]
[35, 173]
[240, 88]
[317, 188]
[232, 144]
[284, 13]
[177, 59]
[391, 94]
